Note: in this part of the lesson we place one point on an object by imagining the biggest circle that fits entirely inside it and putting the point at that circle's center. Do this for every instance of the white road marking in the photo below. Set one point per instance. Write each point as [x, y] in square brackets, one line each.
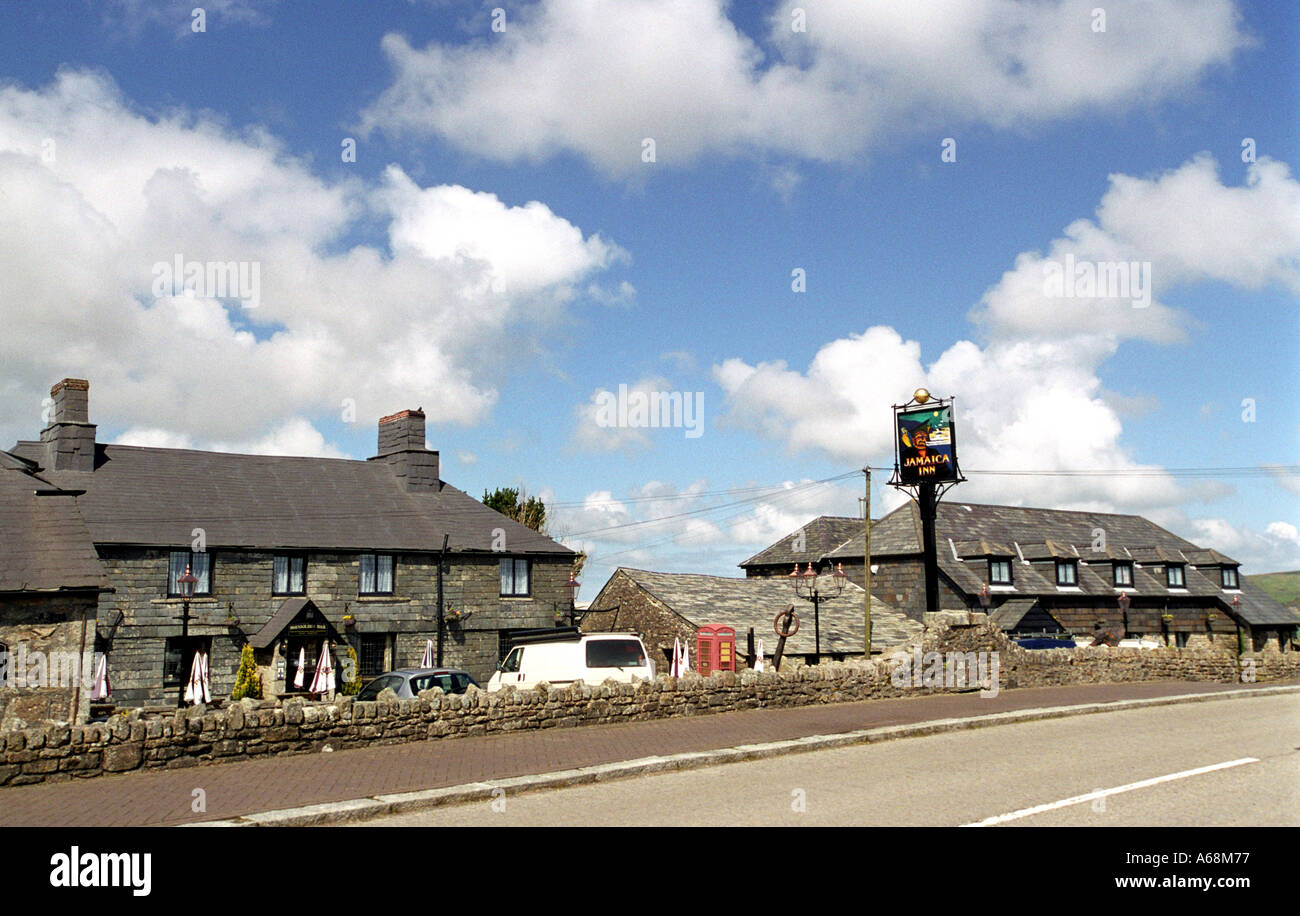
[1102, 793]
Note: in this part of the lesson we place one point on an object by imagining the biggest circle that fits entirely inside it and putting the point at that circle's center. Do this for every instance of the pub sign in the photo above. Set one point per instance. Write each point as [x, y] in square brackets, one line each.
[927, 444]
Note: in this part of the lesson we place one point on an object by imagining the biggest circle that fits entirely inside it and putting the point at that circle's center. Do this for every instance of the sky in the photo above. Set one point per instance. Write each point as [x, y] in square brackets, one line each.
[784, 217]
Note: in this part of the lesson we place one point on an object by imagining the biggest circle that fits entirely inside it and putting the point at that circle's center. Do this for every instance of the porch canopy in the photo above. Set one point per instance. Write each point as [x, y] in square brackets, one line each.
[296, 617]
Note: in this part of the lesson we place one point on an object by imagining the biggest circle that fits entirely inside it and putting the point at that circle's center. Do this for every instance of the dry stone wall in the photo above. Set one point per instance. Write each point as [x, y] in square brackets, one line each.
[253, 728]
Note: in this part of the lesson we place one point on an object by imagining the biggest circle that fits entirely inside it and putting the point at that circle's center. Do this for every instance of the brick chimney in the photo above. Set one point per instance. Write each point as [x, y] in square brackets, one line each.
[401, 447]
[70, 437]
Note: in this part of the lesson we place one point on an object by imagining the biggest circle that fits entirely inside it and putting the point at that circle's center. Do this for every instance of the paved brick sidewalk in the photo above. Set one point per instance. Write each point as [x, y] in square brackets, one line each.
[163, 797]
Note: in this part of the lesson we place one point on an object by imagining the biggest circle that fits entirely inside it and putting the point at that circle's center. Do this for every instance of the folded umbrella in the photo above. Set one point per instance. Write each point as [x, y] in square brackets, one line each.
[299, 677]
[427, 661]
[323, 682]
[102, 688]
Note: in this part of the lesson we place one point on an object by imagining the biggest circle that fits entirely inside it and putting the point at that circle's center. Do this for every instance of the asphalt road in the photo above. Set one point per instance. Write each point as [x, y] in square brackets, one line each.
[967, 777]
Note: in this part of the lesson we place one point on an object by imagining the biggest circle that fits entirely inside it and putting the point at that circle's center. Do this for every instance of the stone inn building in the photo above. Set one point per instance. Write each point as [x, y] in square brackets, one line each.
[1049, 571]
[379, 556]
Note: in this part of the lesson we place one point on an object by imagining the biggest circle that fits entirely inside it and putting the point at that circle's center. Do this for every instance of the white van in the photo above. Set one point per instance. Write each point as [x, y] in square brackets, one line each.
[567, 656]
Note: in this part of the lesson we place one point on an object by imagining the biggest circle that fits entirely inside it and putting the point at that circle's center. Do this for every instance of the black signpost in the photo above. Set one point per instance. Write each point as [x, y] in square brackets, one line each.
[925, 465]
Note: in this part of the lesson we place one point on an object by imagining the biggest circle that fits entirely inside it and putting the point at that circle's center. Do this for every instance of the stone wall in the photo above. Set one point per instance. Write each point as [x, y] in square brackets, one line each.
[48, 645]
[248, 729]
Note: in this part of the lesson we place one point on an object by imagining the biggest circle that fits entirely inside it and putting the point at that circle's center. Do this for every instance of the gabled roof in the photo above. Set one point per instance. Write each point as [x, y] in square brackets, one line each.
[745, 603]
[820, 536]
[44, 543]
[158, 496]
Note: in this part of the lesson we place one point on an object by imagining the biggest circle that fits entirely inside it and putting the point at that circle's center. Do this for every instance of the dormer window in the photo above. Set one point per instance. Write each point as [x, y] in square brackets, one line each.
[999, 572]
[1123, 574]
[1228, 575]
[1174, 576]
[1067, 572]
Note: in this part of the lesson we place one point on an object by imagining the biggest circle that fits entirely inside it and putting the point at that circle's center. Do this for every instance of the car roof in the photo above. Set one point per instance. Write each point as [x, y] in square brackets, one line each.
[410, 671]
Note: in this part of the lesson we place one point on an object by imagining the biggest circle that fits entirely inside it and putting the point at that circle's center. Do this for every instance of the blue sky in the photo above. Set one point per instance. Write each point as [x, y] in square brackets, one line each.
[422, 273]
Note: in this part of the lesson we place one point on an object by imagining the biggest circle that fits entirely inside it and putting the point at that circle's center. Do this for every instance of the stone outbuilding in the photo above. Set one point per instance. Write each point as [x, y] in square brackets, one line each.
[664, 606]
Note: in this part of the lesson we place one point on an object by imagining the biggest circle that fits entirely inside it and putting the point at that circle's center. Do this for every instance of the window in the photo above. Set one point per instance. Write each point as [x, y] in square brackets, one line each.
[1067, 572]
[370, 655]
[1174, 576]
[289, 575]
[376, 574]
[178, 658]
[999, 572]
[1229, 577]
[200, 565]
[514, 578]
[615, 653]
[375, 687]
[512, 662]
[1123, 573]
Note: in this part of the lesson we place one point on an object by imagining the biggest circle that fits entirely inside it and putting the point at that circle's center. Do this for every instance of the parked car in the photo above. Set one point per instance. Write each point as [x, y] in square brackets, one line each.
[408, 682]
[565, 655]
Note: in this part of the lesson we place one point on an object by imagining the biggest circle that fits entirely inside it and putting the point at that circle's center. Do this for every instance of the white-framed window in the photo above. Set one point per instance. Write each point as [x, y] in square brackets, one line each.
[376, 576]
[999, 572]
[515, 578]
[1067, 572]
[289, 575]
[200, 566]
[1123, 573]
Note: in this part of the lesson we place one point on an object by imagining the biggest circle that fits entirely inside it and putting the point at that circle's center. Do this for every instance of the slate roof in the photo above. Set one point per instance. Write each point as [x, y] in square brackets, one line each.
[745, 603]
[284, 616]
[821, 535]
[44, 542]
[157, 496]
[968, 533]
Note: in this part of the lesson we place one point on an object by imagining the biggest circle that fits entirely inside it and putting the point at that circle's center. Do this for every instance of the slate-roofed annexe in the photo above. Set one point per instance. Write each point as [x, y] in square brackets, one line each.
[1050, 570]
[279, 528]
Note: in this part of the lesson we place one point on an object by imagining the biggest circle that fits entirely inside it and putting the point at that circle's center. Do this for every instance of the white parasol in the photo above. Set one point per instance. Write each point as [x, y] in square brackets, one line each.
[298, 678]
[323, 682]
[102, 688]
[427, 661]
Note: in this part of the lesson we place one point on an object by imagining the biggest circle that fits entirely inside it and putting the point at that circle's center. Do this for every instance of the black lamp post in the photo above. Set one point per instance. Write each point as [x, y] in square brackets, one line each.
[805, 587]
[572, 587]
[187, 583]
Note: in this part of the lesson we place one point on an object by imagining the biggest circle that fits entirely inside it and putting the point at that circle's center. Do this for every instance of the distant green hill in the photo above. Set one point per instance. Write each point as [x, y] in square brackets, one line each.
[1284, 586]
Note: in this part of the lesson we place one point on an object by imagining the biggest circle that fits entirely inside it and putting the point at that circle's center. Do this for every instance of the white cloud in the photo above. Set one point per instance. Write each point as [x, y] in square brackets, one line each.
[295, 436]
[1031, 398]
[573, 75]
[95, 194]
[1275, 549]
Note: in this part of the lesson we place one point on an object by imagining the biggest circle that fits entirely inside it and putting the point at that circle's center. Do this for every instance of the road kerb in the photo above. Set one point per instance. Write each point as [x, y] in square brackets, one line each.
[358, 809]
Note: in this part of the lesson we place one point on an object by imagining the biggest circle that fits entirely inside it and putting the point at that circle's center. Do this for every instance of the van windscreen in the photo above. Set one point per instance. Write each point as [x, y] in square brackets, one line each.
[615, 653]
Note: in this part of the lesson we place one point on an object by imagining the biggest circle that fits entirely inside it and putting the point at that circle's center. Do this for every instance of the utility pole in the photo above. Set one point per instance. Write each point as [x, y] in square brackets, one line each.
[866, 566]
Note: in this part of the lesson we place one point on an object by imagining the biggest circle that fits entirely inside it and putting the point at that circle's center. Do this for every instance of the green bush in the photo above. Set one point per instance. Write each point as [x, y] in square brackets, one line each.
[248, 680]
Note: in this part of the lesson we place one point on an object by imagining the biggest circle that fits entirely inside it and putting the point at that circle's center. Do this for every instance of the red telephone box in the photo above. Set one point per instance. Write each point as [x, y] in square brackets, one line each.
[715, 648]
